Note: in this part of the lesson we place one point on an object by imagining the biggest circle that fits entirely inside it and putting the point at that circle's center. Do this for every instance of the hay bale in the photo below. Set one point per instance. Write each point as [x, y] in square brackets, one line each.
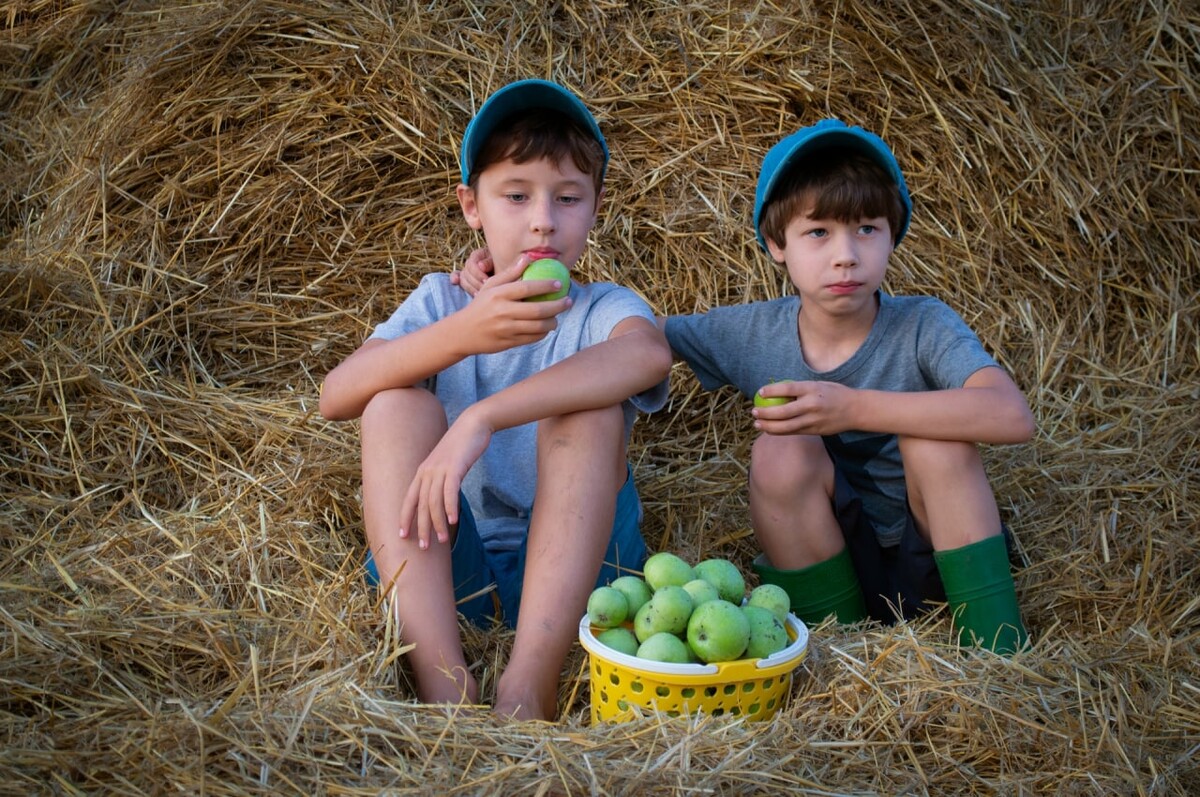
[204, 208]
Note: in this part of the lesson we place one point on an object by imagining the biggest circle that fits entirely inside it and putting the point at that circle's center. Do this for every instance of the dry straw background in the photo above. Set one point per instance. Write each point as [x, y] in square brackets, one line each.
[205, 206]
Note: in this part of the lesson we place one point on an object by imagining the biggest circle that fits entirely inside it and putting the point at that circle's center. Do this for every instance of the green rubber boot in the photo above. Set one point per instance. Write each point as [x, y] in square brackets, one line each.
[982, 596]
[829, 587]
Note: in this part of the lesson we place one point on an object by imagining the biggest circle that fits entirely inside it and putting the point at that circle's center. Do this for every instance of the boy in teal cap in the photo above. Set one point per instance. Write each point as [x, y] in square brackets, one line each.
[494, 429]
[868, 495]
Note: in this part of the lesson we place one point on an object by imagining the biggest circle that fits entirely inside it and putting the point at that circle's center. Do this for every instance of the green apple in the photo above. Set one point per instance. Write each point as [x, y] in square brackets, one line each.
[767, 634]
[774, 401]
[636, 591]
[773, 597]
[620, 639]
[666, 569]
[607, 607]
[718, 631]
[664, 647]
[701, 591]
[548, 269]
[724, 575]
[667, 610]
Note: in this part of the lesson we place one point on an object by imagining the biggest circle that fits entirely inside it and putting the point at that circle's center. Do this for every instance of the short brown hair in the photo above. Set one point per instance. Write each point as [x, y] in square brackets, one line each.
[532, 135]
[835, 183]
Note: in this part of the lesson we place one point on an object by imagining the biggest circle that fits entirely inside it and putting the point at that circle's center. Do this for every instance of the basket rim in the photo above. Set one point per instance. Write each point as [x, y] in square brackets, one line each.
[776, 663]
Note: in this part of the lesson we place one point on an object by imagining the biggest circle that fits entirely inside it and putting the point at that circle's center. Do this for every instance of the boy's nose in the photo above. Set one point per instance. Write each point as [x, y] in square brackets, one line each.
[846, 254]
[542, 220]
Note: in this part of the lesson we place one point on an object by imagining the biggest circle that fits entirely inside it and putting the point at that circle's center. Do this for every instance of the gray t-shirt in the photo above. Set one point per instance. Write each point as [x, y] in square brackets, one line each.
[500, 486]
[917, 343]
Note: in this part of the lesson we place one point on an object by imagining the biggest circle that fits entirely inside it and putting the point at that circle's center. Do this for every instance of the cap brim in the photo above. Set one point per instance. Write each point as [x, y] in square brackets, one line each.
[844, 137]
[519, 97]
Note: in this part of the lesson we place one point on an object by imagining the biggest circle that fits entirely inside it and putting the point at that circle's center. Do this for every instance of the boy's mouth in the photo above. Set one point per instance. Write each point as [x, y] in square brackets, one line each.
[538, 254]
[845, 287]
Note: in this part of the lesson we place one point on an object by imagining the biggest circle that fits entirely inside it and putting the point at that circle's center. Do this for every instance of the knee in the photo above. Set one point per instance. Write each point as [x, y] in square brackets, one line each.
[787, 464]
[938, 461]
[401, 407]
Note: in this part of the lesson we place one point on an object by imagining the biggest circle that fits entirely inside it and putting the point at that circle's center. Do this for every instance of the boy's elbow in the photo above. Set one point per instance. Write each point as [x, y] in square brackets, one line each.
[1019, 425]
[327, 403]
[659, 357]
[1027, 426]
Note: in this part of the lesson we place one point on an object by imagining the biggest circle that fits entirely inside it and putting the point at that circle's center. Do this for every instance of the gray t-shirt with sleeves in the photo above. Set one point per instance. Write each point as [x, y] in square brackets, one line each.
[500, 486]
[917, 343]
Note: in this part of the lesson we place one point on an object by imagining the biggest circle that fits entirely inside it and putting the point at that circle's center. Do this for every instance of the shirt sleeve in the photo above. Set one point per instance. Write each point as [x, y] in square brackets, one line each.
[948, 350]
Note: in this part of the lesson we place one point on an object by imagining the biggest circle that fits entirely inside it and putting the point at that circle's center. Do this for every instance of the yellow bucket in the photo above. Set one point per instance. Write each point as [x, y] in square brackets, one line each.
[623, 686]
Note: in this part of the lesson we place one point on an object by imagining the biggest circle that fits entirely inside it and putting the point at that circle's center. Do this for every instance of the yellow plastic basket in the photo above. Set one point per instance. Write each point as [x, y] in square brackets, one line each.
[623, 687]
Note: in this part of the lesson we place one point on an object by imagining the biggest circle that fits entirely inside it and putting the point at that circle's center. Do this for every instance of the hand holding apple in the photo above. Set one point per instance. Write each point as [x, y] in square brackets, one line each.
[815, 408]
[547, 268]
[771, 401]
[498, 317]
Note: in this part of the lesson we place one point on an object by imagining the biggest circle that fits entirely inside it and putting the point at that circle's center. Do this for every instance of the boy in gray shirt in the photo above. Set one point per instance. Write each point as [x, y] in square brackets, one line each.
[868, 495]
[494, 428]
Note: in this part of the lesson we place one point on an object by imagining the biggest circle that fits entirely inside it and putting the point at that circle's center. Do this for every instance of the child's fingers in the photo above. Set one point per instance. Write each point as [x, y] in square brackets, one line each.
[512, 273]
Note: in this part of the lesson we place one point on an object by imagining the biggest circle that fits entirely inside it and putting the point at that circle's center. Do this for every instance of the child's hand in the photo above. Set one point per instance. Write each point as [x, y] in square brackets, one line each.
[475, 271]
[430, 506]
[817, 408]
[500, 317]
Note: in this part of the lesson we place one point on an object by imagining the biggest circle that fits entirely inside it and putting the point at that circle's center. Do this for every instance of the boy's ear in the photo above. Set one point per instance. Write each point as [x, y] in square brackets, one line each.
[470, 208]
[775, 250]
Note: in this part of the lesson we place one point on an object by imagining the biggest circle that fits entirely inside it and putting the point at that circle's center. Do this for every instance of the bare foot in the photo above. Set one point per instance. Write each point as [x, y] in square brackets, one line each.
[524, 704]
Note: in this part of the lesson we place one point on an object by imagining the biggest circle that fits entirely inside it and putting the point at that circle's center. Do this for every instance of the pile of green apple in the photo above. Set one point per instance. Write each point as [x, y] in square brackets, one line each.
[683, 614]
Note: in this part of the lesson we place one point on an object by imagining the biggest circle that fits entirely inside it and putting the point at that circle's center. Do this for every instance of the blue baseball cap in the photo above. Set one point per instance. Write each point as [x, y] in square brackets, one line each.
[824, 134]
[523, 95]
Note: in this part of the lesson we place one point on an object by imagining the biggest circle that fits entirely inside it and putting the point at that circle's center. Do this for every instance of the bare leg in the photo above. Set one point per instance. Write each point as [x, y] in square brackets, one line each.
[581, 467]
[399, 429]
[948, 491]
[791, 506]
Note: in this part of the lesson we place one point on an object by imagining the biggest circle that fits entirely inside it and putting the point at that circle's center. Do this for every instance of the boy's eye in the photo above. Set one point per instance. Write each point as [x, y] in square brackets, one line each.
[867, 229]
[513, 196]
[570, 200]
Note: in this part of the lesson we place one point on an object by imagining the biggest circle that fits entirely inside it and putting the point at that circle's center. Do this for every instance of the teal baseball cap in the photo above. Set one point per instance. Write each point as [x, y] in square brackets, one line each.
[824, 134]
[519, 97]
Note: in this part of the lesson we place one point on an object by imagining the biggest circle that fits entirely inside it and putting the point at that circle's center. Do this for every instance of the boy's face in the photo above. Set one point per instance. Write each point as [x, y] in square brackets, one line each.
[540, 208]
[836, 266]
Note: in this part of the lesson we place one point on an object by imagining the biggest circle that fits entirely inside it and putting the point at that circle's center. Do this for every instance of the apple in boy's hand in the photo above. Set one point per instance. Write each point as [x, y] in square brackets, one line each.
[773, 401]
[548, 268]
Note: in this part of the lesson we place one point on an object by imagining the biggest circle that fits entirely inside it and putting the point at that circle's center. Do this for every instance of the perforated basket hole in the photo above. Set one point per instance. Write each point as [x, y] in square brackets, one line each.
[754, 709]
[636, 686]
[749, 687]
[730, 689]
[663, 691]
[687, 692]
[710, 691]
[614, 678]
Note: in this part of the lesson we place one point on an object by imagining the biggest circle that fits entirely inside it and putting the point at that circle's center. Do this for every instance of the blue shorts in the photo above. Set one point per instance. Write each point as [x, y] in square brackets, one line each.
[487, 584]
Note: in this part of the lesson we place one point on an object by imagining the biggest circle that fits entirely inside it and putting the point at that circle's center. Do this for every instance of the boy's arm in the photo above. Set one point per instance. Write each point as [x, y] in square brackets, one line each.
[634, 358]
[988, 408]
[495, 320]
